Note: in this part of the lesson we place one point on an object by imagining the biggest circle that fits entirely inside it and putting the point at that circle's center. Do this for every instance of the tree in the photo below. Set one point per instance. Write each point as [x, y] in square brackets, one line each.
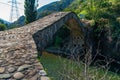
[2, 27]
[30, 11]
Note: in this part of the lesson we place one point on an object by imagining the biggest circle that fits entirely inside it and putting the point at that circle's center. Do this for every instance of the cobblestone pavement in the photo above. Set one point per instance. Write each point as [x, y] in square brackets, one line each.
[18, 54]
[18, 63]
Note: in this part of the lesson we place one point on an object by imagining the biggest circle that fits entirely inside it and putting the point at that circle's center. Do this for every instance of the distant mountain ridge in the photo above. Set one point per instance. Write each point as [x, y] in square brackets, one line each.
[53, 7]
[43, 11]
[20, 22]
[4, 21]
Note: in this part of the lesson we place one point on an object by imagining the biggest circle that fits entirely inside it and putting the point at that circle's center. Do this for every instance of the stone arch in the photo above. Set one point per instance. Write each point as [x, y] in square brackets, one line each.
[43, 37]
[18, 46]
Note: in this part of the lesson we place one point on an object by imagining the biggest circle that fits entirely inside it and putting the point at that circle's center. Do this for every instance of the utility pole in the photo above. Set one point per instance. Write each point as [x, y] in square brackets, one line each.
[14, 14]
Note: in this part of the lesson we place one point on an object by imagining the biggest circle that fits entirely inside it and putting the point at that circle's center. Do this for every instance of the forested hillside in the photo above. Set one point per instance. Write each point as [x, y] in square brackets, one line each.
[98, 9]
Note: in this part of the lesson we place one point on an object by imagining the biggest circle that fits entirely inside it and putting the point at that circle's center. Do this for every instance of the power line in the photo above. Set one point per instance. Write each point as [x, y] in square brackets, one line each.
[10, 5]
[14, 8]
[5, 3]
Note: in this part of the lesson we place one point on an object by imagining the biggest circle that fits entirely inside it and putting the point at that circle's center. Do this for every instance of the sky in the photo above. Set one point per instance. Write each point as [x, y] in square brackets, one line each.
[5, 7]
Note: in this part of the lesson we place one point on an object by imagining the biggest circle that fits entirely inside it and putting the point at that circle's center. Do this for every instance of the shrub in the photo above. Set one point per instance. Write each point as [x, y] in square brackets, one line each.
[2, 27]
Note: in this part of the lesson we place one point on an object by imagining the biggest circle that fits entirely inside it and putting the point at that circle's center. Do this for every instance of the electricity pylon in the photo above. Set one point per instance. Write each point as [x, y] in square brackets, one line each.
[14, 14]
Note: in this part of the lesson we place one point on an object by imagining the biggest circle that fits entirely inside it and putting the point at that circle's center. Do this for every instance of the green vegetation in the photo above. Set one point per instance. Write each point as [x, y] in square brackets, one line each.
[59, 68]
[30, 11]
[97, 9]
[2, 27]
[60, 36]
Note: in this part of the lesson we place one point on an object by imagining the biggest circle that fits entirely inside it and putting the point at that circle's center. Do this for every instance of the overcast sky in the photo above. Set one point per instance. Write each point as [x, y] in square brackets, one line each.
[5, 7]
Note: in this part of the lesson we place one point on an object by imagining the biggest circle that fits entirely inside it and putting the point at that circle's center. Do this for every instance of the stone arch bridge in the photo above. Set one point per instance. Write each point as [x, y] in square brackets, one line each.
[19, 46]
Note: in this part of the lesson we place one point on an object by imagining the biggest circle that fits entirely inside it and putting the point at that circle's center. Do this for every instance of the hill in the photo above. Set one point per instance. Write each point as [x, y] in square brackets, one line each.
[53, 7]
[20, 22]
[2, 21]
[43, 11]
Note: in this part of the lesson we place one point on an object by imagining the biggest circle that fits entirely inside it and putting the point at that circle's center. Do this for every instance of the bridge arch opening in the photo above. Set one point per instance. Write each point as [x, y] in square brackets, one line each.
[61, 36]
[45, 37]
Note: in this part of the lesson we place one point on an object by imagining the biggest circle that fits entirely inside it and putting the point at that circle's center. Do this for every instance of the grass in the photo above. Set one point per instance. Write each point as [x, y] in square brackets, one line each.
[52, 65]
[59, 68]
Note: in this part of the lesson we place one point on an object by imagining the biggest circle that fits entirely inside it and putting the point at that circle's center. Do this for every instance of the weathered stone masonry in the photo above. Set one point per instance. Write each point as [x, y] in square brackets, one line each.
[43, 37]
[19, 46]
